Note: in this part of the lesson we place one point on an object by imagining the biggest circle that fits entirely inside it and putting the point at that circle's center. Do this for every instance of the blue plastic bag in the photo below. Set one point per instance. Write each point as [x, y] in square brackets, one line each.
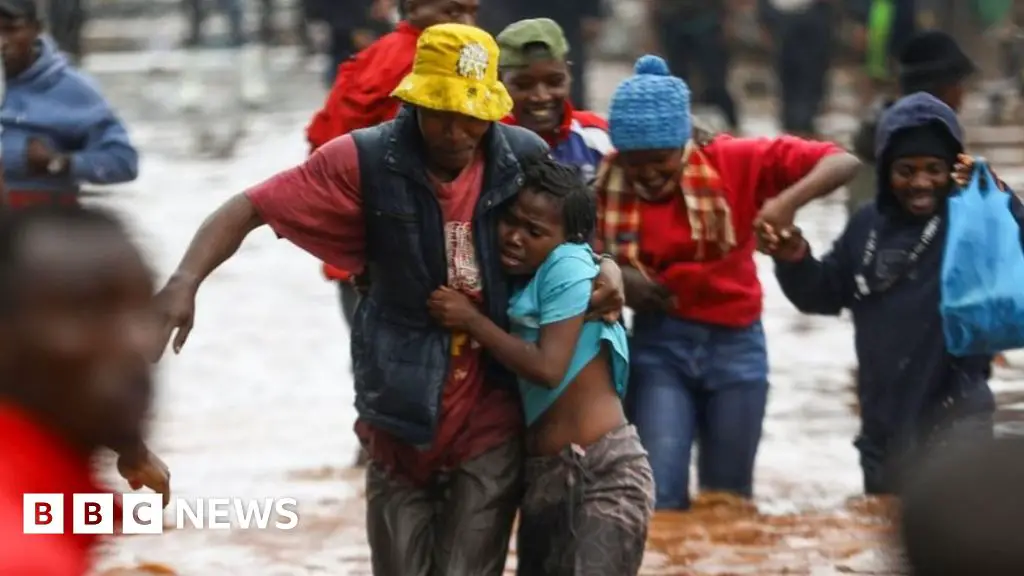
[982, 271]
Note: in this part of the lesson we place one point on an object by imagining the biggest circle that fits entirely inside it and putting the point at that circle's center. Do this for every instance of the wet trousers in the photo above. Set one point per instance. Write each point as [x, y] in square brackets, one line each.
[586, 510]
[693, 382]
[459, 524]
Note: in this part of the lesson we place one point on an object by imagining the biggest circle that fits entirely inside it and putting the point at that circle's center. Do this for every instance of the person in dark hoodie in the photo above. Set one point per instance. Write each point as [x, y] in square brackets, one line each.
[58, 130]
[931, 62]
[885, 268]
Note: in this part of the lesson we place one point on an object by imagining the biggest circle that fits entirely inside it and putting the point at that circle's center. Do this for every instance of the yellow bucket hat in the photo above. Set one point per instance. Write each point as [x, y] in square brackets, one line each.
[456, 70]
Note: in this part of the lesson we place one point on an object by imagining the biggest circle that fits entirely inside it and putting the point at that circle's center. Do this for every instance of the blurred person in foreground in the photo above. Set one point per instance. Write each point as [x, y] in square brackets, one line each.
[415, 204]
[679, 213]
[535, 69]
[77, 328]
[961, 510]
[885, 269]
[692, 37]
[362, 97]
[58, 130]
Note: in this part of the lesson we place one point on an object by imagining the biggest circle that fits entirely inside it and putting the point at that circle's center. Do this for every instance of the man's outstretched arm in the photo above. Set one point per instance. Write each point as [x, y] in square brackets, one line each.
[316, 205]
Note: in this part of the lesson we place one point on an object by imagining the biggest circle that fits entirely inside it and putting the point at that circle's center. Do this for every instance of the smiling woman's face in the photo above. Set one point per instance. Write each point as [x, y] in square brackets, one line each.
[539, 91]
[651, 170]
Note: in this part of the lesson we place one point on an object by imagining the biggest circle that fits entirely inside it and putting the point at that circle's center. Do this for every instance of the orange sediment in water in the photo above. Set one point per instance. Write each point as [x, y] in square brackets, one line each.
[725, 535]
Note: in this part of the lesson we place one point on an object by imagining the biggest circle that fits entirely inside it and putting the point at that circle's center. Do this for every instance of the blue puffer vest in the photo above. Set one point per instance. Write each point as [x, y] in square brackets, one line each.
[400, 355]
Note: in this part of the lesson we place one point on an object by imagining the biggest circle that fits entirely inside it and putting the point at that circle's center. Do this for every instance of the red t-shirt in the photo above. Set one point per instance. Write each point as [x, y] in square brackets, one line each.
[725, 291]
[318, 206]
[34, 460]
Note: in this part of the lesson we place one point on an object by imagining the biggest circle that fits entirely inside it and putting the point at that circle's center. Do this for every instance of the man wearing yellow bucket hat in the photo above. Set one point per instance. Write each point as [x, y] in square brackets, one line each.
[413, 203]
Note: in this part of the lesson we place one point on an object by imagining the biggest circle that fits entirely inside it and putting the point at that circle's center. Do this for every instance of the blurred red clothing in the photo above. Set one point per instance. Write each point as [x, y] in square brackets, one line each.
[361, 96]
[34, 460]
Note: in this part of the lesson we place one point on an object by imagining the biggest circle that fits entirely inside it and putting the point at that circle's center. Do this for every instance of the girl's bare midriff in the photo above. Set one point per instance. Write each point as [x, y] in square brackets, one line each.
[587, 410]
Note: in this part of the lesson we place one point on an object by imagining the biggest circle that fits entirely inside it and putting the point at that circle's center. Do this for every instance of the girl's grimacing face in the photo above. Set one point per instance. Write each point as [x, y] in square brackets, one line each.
[530, 229]
[920, 183]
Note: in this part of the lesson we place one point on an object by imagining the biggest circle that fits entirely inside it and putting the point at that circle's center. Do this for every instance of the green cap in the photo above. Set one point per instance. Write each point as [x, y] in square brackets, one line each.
[513, 40]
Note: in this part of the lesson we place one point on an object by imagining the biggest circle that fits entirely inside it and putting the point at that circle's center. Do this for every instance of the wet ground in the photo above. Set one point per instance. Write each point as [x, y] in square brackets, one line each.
[259, 404]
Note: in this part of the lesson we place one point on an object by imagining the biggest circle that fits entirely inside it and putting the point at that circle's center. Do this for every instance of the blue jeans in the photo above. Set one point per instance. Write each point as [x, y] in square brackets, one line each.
[697, 382]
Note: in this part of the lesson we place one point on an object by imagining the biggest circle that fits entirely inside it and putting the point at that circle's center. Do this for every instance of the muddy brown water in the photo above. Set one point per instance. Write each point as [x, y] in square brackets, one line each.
[724, 536]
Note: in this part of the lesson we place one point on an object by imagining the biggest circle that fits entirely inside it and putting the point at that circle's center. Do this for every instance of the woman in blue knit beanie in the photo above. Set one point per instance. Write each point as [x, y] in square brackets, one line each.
[679, 214]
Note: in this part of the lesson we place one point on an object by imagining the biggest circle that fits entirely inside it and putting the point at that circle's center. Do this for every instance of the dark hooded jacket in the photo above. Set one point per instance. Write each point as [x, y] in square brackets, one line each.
[907, 382]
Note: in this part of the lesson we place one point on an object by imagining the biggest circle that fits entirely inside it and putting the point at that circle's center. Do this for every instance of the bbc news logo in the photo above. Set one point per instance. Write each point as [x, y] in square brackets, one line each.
[144, 513]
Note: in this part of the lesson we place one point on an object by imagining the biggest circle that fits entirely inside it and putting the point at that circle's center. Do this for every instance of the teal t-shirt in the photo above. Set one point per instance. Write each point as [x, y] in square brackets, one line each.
[559, 290]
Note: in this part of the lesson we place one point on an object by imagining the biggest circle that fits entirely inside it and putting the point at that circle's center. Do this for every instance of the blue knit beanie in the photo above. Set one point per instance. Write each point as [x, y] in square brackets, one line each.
[650, 110]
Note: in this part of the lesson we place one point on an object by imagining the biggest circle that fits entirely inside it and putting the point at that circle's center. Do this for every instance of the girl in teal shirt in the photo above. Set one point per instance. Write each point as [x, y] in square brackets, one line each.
[589, 487]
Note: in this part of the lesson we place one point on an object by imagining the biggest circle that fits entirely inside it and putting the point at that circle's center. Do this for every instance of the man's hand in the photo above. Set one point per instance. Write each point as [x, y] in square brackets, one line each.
[785, 245]
[777, 213]
[39, 156]
[609, 294]
[452, 309]
[963, 170]
[145, 469]
[644, 295]
[176, 304]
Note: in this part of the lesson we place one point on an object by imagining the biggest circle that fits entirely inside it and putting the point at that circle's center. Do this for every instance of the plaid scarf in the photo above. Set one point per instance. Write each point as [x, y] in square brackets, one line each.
[618, 214]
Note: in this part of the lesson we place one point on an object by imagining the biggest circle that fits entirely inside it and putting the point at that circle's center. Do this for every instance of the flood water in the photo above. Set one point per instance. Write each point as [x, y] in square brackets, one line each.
[259, 404]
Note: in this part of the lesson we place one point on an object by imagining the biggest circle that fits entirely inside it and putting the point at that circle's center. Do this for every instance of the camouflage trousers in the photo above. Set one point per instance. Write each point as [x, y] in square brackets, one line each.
[586, 510]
